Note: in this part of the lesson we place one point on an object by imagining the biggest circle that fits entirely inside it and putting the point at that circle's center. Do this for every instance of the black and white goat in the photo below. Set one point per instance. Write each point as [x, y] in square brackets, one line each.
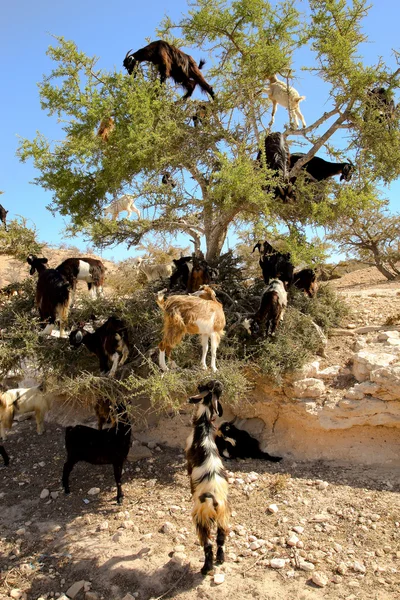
[106, 447]
[306, 280]
[208, 480]
[319, 169]
[236, 443]
[4, 455]
[53, 295]
[3, 216]
[90, 270]
[380, 105]
[109, 343]
[272, 308]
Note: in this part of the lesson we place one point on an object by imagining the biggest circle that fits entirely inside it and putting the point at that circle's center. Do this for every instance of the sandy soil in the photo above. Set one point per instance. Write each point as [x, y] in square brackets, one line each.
[348, 516]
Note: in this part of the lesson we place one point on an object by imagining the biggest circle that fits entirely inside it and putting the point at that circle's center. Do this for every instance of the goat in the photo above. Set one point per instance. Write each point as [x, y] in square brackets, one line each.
[319, 169]
[118, 206]
[306, 280]
[5, 456]
[200, 114]
[3, 216]
[152, 272]
[109, 343]
[208, 480]
[171, 62]
[200, 275]
[274, 264]
[280, 93]
[183, 268]
[86, 269]
[272, 308]
[106, 447]
[191, 314]
[167, 179]
[277, 158]
[21, 401]
[236, 443]
[53, 297]
[106, 128]
[380, 105]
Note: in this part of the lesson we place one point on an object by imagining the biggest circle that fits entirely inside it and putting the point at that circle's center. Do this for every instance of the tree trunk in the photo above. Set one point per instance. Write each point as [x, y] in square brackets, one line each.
[379, 264]
[215, 239]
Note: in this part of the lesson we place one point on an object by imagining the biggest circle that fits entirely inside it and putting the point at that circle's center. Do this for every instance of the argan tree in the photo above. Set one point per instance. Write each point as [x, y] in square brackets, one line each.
[216, 182]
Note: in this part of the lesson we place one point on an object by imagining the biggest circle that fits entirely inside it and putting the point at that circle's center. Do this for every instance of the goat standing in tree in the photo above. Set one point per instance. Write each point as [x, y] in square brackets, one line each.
[171, 62]
[285, 95]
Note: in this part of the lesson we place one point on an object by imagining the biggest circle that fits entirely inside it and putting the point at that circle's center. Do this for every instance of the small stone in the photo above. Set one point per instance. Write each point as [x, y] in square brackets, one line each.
[359, 567]
[300, 544]
[44, 494]
[306, 566]
[298, 529]
[277, 563]
[175, 508]
[337, 547]
[130, 525]
[374, 517]
[167, 527]
[54, 495]
[94, 491]
[92, 596]
[353, 583]
[336, 579]
[272, 508]
[21, 531]
[117, 536]
[292, 541]
[255, 546]
[18, 594]
[129, 597]
[103, 526]
[219, 578]
[232, 556]
[75, 588]
[323, 485]
[179, 558]
[319, 578]
[151, 445]
[341, 568]
[179, 548]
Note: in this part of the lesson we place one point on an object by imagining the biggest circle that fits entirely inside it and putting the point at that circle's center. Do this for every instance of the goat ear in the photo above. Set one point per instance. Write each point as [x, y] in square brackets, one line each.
[195, 399]
[217, 406]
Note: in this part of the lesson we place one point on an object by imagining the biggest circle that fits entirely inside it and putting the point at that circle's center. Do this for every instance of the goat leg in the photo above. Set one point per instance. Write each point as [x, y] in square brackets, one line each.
[69, 465]
[118, 479]
[203, 532]
[221, 535]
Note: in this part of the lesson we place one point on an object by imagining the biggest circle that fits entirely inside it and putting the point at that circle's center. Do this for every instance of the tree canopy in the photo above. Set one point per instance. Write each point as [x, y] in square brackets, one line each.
[218, 183]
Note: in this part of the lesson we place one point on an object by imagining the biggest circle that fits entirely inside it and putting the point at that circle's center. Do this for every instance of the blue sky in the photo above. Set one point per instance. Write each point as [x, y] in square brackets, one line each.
[108, 31]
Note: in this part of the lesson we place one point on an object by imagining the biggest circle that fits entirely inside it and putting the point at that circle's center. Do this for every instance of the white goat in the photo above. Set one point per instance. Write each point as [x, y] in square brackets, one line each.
[117, 206]
[153, 272]
[20, 401]
[279, 93]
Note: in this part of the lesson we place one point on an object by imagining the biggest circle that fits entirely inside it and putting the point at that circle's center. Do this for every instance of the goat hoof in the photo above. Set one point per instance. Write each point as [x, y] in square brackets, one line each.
[120, 500]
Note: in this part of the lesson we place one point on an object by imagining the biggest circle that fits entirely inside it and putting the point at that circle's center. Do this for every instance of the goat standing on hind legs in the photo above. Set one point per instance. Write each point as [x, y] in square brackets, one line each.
[208, 480]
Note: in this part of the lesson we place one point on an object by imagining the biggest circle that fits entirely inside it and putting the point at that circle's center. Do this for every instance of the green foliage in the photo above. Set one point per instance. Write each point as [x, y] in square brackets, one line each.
[19, 240]
[218, 183]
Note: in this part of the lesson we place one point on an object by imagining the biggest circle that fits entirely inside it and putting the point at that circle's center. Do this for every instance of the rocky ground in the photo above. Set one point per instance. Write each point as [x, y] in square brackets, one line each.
[300, 530]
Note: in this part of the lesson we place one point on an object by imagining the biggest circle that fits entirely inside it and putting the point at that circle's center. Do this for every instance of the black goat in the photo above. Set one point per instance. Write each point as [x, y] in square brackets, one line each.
[3, 216]
[380, 105]
[106, 447]
[208, 480]
[320, 169]
[183, 269]
[272, 308]
[5, 456]
[109, 343]
[277, 158]
[167, 179]
[306, 280]
[53, 295]
[274, 264]
[86, 269]
[236, 443]
[171, 62]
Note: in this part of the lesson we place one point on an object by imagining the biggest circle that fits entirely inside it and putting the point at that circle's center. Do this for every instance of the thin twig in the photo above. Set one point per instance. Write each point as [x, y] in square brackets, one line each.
[253, 565]
[175, 584]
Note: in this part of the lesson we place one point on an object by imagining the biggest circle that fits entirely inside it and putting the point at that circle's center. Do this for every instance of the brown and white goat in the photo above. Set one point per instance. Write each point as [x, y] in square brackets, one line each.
[171, 62]
[272, 308]
[53, 295]
[208, 480]
[21, 401]
[280, 93]
[202, 315]
[86, 269]
[306, 280]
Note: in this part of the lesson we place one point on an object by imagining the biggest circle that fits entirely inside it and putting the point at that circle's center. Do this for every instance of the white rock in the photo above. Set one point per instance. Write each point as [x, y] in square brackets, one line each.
[292, 541]
[323, 485]
[272, 508]
[277, 563]
[75, 588]
[175, 508]
[179, 558]
[18, 594]
[387, 335]
[359, 567]
[329, 372]
[179, 548]
[167, 527]
[341, 568]
[54, 495]
[219, 578]
[255, 546]
[94, 491]
[44, 494]
[298, 529]
[369, 360]
[337, 547]
[103, 526]
[21, 531]
[309, 388]
[306, 566]
[320, 579]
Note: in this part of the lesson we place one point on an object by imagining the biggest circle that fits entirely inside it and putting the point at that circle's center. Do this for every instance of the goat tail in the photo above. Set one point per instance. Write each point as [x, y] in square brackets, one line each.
[208, 510]
[202, 63]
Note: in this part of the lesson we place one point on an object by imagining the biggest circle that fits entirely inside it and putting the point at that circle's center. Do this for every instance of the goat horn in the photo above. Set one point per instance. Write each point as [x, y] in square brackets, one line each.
[129, 51]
